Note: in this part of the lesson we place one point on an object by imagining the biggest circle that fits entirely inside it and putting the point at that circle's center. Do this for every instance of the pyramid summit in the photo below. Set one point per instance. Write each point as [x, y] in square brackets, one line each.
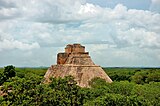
[77, 63]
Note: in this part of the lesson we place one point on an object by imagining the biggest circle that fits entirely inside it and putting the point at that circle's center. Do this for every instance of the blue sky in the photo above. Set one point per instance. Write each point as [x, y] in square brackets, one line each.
[114, 32]
[131, 4]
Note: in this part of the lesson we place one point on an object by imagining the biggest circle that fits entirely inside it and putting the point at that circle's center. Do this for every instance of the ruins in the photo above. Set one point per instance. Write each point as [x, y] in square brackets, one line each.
[77, 63]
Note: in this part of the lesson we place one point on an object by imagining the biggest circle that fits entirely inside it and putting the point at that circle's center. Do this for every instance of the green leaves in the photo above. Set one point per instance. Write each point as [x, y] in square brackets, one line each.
[30, 91]
[146, 76]
[8, 72]
[123, 93]
[66, 91]
[26, 89]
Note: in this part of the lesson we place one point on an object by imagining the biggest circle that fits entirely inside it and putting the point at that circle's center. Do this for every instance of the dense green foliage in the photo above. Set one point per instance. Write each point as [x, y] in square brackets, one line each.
[131, 87]
[137, 75]
[8, 72]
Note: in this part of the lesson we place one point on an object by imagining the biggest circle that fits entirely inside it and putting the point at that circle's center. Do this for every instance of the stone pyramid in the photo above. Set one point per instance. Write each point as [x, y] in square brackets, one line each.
[77, 63]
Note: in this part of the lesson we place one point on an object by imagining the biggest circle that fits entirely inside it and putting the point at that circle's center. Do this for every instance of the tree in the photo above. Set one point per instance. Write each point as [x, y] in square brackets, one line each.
[9, 71]
[1, 79]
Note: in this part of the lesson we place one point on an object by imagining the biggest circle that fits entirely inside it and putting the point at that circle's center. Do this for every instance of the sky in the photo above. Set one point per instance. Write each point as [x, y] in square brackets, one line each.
[116, 33]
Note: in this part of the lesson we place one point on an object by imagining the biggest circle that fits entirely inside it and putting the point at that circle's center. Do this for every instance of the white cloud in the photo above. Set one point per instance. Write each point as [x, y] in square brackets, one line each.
[44, 24]
[139, 38]
[88, 11]
[8, 43]
[51, 11]
[8, 13]
[155, 6]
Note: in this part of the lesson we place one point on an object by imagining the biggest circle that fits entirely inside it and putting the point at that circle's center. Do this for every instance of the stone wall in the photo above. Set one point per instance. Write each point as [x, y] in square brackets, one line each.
[68, 48]
[75, 48]
[61, 58]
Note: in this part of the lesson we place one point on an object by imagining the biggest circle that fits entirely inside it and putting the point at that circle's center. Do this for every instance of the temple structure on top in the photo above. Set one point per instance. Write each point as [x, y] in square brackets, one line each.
[74, 49]
[75, 61]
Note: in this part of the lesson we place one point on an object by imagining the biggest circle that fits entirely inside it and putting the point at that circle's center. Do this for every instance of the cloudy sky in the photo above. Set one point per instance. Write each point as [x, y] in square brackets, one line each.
[115, 32]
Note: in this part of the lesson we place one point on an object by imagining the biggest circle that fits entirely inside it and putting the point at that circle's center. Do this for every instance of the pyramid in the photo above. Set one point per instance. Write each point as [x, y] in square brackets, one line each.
[77, 63]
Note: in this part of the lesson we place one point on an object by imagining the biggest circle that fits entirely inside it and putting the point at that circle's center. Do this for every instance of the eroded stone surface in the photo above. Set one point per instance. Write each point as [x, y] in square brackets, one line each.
[77, 63]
